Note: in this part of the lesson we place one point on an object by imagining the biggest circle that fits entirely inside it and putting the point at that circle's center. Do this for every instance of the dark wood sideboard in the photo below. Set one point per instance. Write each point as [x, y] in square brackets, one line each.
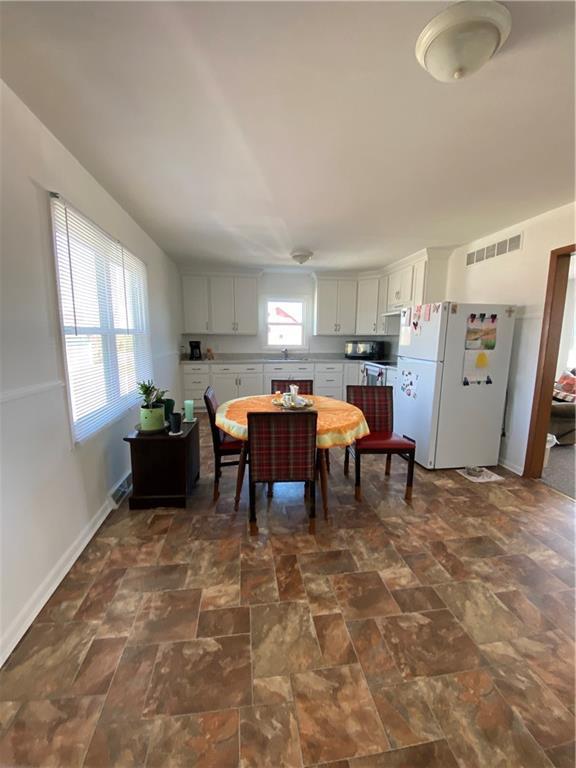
[164, 468]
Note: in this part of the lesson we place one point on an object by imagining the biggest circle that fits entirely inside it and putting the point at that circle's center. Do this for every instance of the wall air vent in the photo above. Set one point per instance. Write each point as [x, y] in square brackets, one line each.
[513, 243]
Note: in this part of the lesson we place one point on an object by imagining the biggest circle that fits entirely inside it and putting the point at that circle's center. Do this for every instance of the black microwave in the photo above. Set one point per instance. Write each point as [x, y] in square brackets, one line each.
[366, 350]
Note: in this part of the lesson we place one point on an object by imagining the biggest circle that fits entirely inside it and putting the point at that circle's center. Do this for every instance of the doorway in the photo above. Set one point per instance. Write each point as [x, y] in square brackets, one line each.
[546, 374]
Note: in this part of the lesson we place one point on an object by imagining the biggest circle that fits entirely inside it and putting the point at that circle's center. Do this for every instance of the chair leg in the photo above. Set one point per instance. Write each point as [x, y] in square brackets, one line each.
[270, 493]
[410, 475]
[388, 463]
[323, 481]
[347, 460]
[327, 455]
[240, 476]
[252, 491]
[357, 489]
[312, 497]
[217, 473]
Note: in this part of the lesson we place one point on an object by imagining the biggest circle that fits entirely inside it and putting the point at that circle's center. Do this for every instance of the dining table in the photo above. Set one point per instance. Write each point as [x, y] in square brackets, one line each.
[339, 424]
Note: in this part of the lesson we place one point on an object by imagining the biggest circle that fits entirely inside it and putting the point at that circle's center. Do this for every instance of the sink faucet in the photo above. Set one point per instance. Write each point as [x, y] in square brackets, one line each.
[285, 353]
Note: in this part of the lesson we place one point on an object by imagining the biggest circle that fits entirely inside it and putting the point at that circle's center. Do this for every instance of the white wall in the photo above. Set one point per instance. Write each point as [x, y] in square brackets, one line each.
[54, 494]
[277, 285]
[566, 352]
[516, 278]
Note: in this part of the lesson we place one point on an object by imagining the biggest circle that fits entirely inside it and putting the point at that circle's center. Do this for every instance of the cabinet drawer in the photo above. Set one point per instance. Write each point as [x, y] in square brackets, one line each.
[196, 380]
[327, 380]
[195, 368]
[301, 371]
[329, 367]
[274, 368]
[335, 392]
[236, 368]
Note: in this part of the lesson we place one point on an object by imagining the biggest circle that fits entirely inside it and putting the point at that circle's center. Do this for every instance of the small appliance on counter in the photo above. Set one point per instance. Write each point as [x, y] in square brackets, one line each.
[195, 350]
[367, 350]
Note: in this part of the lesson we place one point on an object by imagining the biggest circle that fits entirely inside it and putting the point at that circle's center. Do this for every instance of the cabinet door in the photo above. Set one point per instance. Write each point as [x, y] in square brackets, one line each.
[395, 290]
[367, 311]
[326, 307]
[246, 305]
[418, 280]
[346, 319]
[382, 304]
[225, 385]
[406, 286]
[195, 303]
[250, 384]
[222, 318]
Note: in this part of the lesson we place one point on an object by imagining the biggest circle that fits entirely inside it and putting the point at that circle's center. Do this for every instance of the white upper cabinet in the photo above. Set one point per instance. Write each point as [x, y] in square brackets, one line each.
[222, 316]
[367, 311]
[195, 303]
[419, 281]
[246, 305]
[400, 288]
[335, 307]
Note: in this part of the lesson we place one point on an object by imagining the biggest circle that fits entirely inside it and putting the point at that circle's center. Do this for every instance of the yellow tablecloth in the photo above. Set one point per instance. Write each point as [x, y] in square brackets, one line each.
[339, 423]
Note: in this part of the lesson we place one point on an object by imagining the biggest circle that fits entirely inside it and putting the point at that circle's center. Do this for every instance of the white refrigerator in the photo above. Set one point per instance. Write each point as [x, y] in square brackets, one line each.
[450, 392]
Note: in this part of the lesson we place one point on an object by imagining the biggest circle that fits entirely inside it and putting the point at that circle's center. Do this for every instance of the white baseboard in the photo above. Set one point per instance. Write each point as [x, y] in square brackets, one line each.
[512, 467]
[15, 631]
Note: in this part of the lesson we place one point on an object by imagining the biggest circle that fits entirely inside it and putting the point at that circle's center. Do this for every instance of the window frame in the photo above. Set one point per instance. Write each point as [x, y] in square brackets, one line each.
[305, 322]
[108, 334]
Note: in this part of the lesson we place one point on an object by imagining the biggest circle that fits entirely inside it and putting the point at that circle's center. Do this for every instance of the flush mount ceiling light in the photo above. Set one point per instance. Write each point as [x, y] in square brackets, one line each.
[463, 38]
[302, 255]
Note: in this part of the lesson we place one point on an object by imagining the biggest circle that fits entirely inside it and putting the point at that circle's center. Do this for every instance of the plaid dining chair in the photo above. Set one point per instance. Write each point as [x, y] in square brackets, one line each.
[305, 386]
[282, 449]
[377, 406]
[224, 446]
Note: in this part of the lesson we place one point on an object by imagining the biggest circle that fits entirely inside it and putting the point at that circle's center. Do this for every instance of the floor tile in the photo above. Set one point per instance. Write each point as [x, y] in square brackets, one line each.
[154, 578]
[46, 661]
[551, 656]
[220, 596]
[207, 740]
[429, 643]
[436, 754]
[532, 619]
[376, 660]
[269, 737]
[321, 597]
[92, 560]
[449, 561]
[336, 715]
[256, 553]
[293, 544]
[224, 621]
[480, 726]
[405, 715]
[363, 595]
[481, 614]
[200, 676]
[136, 550]
[289, 578]
[167, 616]
[65, 601]
[521, 571]
[8, 710]
[272, 690]
[98, 597]
[46, 733]
[334, 640]
[98, 668]
[283, 639]
[327, 562]
[258, 586]
[417, 599]
[474, 546]
[427, 569]
[127, 693]
[121, 744]
[562, 757]
[121, 615]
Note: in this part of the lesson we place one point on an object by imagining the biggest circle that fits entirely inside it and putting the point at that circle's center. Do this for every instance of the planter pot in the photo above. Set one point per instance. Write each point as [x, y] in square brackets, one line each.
[152, 419]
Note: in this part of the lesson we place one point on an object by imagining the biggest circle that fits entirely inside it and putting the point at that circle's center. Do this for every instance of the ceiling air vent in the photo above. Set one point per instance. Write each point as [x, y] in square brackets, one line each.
[513, 243]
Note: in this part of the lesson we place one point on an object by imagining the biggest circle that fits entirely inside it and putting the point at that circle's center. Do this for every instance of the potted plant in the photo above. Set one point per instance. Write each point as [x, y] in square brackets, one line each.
[152, 417]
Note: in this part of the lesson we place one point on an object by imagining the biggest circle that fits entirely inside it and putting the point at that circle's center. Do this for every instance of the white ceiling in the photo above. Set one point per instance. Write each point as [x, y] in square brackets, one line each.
[233, 132]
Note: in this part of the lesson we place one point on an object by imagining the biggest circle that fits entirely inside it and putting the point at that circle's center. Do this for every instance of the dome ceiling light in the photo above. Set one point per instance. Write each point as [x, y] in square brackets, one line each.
[462, 38]
[302, 255]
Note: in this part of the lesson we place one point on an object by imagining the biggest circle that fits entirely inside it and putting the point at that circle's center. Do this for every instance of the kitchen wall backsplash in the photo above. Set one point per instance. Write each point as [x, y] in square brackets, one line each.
[247, 344]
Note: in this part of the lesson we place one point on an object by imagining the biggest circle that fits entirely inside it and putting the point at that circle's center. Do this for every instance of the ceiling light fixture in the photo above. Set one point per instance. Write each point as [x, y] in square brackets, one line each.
[462, 38]
[302, 255]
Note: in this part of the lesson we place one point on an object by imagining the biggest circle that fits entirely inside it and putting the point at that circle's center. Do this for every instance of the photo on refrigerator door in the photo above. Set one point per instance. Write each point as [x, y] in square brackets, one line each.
[409, 384]
[481, 331]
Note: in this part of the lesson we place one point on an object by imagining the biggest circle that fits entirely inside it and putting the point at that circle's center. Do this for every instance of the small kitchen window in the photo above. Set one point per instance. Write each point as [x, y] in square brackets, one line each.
[285, 323]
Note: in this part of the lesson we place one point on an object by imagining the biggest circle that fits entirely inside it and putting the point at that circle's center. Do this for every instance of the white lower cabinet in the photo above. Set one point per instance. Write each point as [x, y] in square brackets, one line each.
[250, 384]
[225, 385]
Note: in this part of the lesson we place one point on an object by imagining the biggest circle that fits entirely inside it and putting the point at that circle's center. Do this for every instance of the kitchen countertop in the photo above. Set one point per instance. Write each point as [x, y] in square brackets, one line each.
[251, 359]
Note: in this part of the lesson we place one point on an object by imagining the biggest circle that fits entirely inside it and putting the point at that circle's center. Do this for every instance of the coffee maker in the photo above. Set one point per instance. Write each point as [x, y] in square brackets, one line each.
[195, 351]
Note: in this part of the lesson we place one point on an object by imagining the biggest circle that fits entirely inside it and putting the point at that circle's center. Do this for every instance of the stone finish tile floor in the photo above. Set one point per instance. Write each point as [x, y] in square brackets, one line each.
[432, 634]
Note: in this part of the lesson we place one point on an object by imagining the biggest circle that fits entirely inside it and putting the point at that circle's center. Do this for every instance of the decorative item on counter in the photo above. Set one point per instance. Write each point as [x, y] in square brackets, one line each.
[168, 407]
[152, 411]
[175, 424]
[188, 411]
[209, 354]
[195, 350]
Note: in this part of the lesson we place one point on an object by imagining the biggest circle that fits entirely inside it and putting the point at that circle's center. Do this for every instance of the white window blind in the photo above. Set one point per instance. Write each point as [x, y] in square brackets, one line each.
[104, 315]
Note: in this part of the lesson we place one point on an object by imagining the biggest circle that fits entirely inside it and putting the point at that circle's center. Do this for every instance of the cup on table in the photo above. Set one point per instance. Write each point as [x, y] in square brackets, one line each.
[175, 422]
[188, 410]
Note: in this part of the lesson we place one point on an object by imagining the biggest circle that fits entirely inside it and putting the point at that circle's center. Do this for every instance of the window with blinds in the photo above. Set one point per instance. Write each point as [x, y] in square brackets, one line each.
[104, 315]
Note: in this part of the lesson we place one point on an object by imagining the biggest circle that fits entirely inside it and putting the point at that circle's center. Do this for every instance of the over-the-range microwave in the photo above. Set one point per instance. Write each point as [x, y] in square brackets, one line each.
[366, 350]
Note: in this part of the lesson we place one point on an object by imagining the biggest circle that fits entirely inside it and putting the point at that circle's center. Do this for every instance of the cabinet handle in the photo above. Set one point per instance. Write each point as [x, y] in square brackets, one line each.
[374, 327]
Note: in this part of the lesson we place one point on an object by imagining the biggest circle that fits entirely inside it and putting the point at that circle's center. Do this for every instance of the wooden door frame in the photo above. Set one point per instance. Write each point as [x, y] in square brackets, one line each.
[547, 358]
